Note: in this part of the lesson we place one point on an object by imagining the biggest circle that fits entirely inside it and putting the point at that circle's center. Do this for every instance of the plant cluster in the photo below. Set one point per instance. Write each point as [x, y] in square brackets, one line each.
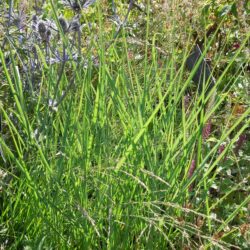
[124, 124]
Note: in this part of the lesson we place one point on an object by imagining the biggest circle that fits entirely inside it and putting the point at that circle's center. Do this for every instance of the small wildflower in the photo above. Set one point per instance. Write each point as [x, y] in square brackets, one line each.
[213, 216]
[241, 141]
[64, 24]
[75, 26]
[52, 105]
[41, 28]
[75, 6]
[221, 148]
[3, 174]
[236, 45]
[35, 134]
[48, 33]
[229, 172]
[138, 57]
[207, 130]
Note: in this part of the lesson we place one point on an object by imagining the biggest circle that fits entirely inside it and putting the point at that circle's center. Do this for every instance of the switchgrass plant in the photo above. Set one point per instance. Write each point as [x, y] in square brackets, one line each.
[113, 155]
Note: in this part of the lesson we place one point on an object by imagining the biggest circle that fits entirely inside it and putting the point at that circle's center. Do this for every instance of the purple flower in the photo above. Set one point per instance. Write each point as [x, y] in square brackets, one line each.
[221, 149]
[242, 139]
[236, 45]
[207, 130]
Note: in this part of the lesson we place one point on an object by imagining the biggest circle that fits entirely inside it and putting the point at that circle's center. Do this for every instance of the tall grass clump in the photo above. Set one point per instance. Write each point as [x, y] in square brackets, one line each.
[109, 142]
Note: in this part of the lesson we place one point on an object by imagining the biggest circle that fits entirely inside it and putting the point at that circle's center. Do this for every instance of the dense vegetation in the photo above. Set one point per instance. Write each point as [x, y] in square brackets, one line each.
[108, 141]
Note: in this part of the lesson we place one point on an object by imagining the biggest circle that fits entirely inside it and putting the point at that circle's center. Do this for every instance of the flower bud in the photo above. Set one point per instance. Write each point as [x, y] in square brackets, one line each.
[63, 24]
[75, 26]
[34, 18]
[41, 28]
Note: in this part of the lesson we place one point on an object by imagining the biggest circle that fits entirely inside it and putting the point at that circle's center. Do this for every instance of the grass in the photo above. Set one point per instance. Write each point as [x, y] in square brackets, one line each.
[102, 159]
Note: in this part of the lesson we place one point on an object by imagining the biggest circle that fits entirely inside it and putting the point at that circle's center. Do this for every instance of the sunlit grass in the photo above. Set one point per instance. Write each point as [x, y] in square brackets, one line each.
[102, 161]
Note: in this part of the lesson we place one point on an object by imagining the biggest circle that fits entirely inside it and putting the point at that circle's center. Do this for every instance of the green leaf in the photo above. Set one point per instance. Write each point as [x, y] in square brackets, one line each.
[205, 10]
[225, 10]
[234, 10]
